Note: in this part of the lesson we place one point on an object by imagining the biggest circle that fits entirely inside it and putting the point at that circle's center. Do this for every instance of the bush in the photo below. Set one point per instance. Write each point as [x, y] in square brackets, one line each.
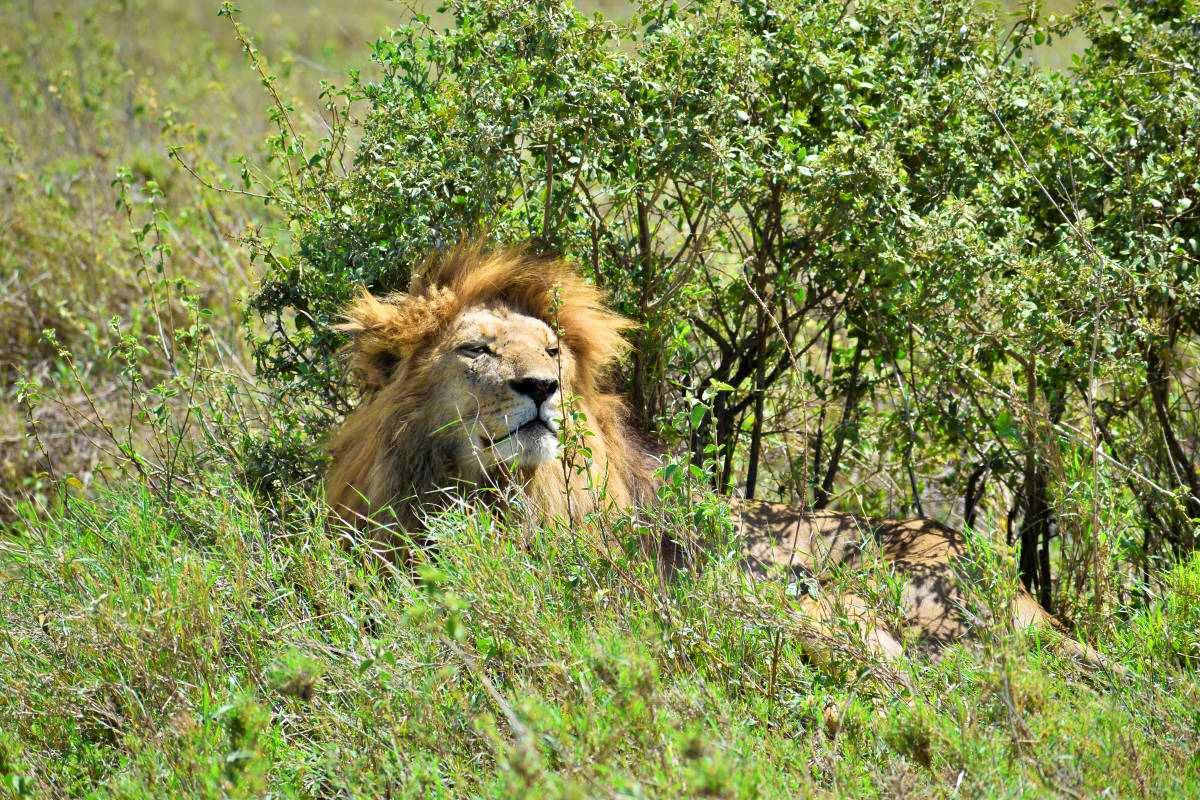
[906, 264]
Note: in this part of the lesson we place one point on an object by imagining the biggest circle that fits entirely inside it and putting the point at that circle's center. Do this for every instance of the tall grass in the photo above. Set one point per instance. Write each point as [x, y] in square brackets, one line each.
[217, 647]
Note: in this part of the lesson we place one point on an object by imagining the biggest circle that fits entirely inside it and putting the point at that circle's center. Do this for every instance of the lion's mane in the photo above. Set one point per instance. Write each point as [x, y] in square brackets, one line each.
[389, 457]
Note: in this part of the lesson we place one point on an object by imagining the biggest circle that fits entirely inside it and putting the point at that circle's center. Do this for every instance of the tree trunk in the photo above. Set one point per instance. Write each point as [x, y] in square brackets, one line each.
[976, 485]
[642, 353]
[1037, 527]
[1031, 529]
[1035, 538]
[1182, 468]
[760, 391]
[824, 492]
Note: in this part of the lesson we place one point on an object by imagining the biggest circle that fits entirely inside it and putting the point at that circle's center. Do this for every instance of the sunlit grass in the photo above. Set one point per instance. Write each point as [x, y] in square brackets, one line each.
[207, 649]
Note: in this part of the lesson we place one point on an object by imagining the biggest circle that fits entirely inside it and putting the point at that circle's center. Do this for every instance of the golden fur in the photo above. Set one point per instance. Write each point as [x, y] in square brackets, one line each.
[398, 449]
[402, 447]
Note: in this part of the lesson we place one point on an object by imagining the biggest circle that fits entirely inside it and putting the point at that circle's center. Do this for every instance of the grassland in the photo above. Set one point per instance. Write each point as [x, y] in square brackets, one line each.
[205, 642]
[214, 647]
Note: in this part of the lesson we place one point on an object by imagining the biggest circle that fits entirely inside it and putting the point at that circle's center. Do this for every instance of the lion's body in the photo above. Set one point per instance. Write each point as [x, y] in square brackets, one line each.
[463, 381]
[780, 539]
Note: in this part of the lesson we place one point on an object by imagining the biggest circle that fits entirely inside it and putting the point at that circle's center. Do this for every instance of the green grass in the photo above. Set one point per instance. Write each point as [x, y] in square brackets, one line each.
[89, 90]
[217, 647]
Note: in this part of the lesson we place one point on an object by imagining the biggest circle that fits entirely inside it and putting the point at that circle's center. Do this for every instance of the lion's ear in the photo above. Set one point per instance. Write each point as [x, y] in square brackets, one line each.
[375, 350]
[385, 333]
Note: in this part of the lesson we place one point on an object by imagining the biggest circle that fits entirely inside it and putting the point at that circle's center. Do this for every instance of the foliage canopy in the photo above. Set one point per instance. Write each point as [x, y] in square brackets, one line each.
[896, 262]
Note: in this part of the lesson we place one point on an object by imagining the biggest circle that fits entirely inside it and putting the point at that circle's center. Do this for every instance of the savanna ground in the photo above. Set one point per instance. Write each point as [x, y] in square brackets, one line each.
[169, 629]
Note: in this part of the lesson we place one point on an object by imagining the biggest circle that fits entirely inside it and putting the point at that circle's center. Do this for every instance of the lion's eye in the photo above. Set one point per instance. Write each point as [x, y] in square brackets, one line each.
[552, 351]
[475, 350]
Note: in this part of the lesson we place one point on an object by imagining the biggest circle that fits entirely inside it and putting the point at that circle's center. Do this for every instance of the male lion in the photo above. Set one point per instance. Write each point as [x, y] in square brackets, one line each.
[463, 380]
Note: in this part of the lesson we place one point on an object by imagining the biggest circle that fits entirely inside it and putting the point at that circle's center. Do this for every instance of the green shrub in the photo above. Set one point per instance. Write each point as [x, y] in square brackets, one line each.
[692, 161]
[902, 263]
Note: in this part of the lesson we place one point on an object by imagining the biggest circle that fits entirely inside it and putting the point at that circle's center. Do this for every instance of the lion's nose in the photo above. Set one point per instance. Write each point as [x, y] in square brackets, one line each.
[537, 389]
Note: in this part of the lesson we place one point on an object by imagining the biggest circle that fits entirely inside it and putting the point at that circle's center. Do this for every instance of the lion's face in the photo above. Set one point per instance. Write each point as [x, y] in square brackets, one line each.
[498, 386]
[463, 378]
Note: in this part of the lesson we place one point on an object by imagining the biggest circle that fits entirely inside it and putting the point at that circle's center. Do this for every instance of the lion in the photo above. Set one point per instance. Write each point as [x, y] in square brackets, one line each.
[466, 380]
[463, 380]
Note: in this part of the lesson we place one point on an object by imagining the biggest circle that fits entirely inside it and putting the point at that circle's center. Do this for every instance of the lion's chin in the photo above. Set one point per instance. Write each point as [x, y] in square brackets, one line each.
[526, 448]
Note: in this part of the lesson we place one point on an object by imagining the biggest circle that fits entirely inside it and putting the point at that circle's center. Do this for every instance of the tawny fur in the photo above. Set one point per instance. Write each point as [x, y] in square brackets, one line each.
[389, 456]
